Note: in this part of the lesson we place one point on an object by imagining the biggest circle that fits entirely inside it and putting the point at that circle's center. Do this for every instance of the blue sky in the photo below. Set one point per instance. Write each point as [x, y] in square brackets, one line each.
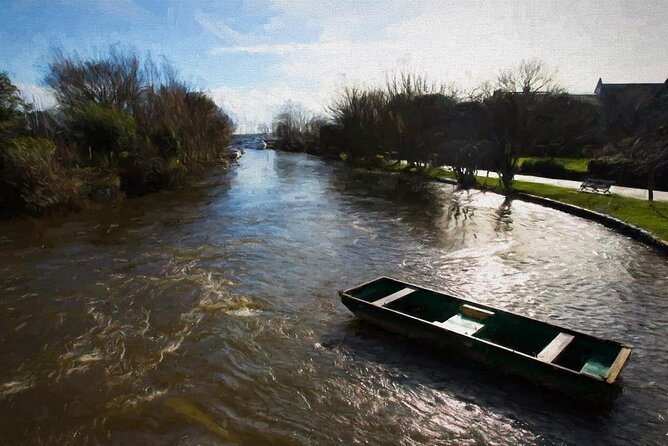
[254, 55]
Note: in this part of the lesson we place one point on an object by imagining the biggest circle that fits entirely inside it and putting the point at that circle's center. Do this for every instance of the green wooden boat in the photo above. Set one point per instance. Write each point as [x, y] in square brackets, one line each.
[581, 365]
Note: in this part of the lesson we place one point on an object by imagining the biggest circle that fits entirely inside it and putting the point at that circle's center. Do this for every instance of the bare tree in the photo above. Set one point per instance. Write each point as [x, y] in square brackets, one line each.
[650, 148]
[507, 116]
[481, 92]
[115, 81]
[413, 113]
[356, 112]
[530, 76]
[296, 129]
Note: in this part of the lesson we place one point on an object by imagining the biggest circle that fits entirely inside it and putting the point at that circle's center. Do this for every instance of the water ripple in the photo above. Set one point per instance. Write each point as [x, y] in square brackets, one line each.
[209, 315]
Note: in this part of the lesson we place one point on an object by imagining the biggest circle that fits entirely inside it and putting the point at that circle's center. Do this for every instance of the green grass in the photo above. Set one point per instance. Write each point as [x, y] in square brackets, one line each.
[395, 167]
[651, 216]
[579, 165]
[437, 172]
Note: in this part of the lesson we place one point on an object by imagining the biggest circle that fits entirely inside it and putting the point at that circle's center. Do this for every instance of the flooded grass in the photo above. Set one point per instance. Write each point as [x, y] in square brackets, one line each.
[650, 216]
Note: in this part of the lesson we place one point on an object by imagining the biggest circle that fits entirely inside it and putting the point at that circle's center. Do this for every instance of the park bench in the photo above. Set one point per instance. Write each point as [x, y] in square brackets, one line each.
[597, 186]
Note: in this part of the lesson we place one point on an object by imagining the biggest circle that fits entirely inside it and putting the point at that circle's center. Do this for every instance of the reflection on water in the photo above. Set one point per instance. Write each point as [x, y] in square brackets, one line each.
[209, 315]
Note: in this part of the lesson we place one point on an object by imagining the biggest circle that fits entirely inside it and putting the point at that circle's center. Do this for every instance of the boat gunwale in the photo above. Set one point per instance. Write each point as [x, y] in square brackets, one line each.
[610, 378]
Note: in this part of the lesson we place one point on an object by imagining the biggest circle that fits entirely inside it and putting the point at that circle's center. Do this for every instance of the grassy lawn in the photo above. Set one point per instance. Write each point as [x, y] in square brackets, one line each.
[573, 164]
[653, 217]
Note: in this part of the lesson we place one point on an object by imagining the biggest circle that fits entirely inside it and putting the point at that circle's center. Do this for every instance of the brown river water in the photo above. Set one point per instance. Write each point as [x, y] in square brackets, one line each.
[209, 315]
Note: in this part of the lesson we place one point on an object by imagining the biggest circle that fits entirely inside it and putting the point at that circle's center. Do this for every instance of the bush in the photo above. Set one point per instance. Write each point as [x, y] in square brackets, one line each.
[332, 140]
[112, 99]
[548, 168]
[31, 180]
[104, 130]
[12, 106]
[166, 143]
[141, 175]
[295, 132]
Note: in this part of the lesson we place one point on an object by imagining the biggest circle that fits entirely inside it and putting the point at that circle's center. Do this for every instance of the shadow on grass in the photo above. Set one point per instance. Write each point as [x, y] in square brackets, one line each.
[658, 211]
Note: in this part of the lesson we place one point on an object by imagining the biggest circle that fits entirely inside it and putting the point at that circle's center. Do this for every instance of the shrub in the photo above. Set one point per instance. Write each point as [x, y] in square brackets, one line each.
[166, 143]
[356, 113]
[31, 180]
[141, 175]
[103, 131]
[110, 100]
[332, 139]
[12, 106]
[295, 132]
[544, 167]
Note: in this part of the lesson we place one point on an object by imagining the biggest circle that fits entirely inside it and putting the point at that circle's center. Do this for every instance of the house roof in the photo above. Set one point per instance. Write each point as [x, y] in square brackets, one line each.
[603, 89]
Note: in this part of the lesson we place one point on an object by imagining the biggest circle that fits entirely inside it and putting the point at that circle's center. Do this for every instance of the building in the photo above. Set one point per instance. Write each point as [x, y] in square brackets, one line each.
[621, 103]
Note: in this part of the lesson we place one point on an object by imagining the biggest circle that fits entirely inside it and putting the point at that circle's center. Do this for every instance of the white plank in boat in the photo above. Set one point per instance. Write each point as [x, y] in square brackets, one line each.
[554, 348]
[475, 312]
[392, 297]
[461, 325]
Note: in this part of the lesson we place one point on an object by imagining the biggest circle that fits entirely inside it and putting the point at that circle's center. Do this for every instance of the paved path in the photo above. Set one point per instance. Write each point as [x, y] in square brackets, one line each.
[625, 191]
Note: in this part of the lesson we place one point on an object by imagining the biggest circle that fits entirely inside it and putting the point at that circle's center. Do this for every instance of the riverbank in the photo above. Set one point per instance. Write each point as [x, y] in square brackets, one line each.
[643, 220]
[131, 128]
[35, 184]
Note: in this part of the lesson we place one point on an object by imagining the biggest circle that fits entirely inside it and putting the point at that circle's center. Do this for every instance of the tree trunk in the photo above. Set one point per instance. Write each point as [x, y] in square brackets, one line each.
[650, 184]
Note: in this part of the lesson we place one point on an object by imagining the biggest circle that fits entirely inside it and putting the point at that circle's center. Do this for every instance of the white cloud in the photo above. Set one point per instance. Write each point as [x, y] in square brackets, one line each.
[218, 29]
[355, 43]
[271, 48]
[252, 107]
[463, 42]
[41, 98]
[306, 51]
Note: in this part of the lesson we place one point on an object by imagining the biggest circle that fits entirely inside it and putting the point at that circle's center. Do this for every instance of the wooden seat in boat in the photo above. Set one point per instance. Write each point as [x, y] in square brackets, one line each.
[461, 324]
[475, 312]
[555, 347]
[392, 297]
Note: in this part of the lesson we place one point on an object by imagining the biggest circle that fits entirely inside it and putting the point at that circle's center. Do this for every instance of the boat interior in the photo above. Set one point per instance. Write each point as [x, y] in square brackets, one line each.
[547, 343]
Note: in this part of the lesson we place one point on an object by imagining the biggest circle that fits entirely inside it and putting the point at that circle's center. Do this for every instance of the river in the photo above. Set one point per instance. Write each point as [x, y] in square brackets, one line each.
[209, 315]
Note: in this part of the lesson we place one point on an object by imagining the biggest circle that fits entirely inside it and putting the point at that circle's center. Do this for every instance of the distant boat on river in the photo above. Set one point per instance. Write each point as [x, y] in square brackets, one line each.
[256, 143]
[232, 153]
[581, 365]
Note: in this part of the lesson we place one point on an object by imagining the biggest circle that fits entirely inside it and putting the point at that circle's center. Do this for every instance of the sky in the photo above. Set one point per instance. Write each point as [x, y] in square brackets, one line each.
[253, 56]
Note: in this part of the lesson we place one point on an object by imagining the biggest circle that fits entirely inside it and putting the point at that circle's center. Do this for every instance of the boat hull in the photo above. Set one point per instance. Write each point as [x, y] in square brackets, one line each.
[455, 346]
